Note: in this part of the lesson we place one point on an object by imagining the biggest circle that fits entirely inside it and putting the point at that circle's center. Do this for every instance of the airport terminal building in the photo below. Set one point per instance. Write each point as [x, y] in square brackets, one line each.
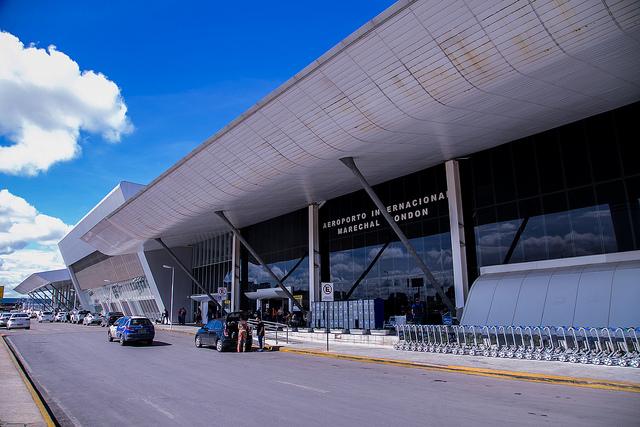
[475, 158]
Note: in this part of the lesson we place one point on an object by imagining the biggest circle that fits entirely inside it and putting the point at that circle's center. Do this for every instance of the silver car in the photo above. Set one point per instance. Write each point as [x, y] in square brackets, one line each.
[4, 318]
[19, 320]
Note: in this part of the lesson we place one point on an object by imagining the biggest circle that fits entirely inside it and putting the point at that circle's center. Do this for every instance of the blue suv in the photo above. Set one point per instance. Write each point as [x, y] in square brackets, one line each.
[132, 329]
[223, 333]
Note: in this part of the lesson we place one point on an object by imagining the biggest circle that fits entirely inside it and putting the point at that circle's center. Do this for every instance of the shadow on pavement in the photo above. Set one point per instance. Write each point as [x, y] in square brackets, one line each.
[155, 344]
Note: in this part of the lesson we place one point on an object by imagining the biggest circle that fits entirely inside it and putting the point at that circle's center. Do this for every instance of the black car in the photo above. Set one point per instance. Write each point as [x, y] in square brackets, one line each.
[110, 317]
[223, 333]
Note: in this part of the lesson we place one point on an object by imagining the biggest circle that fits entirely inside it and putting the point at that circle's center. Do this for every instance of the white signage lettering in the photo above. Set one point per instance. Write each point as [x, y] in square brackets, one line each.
[403, 211]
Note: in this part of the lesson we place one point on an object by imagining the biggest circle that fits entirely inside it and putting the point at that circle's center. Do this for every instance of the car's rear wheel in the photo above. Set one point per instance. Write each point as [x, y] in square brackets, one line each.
[198, 341]
[219, 345]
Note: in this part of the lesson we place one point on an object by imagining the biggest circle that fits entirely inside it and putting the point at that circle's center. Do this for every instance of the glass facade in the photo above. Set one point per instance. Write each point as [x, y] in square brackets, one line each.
[352, 233]
[133, 298]
[211, 265]
[567, 192]
[282, 244]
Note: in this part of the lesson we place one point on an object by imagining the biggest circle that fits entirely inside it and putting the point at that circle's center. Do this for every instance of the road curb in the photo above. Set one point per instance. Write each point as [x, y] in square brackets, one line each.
[600, 384]
[37, 399]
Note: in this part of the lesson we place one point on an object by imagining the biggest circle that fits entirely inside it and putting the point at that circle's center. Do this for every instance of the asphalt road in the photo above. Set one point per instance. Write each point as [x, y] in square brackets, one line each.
[91, 382]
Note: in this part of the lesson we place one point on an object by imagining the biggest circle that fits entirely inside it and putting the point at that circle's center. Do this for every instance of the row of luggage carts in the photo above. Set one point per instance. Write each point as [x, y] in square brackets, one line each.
[606, 346]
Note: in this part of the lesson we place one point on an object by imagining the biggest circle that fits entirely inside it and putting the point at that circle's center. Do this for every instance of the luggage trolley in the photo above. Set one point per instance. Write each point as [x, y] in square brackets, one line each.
[615, 346]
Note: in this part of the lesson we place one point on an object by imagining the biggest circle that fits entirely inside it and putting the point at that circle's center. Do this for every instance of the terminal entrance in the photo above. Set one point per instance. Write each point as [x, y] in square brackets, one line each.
[271, 303]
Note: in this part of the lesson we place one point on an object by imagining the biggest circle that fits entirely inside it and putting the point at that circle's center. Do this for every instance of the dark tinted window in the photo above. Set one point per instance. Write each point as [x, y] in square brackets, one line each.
[140, 322]
[577, 192]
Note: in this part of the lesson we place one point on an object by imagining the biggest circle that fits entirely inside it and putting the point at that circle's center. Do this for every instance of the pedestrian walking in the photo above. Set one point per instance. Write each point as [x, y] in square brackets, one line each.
[165, 316]
[260, 333]
[198, 316]
[182, 313]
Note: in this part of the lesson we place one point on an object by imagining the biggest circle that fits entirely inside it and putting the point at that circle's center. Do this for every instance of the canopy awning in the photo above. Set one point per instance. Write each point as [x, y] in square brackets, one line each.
[42, 279]
[269, 293]
[422, 83]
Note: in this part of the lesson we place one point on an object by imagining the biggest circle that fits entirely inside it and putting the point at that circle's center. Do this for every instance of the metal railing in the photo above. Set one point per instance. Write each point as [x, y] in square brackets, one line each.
[272, 327]
[597, 346]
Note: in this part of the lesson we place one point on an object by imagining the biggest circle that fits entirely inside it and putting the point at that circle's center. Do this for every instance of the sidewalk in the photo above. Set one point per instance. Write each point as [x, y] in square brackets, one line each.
[18, 401]
[614, 378]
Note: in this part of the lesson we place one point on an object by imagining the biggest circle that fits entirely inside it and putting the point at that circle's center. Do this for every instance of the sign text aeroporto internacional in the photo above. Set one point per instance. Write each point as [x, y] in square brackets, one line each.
[402, 211]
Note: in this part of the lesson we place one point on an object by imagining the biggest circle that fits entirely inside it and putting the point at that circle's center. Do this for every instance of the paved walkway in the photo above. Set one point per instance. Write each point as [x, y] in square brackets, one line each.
[601, 372]
[17, 406]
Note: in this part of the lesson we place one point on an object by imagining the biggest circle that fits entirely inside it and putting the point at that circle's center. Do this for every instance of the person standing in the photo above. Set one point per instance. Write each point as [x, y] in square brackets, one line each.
[198, 316]
[242, 334]
[165, 315]
[260, 333]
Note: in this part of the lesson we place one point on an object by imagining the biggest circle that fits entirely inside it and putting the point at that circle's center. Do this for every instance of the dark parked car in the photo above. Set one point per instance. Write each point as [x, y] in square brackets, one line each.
[223, 333]
[110, 317]
[130, 329]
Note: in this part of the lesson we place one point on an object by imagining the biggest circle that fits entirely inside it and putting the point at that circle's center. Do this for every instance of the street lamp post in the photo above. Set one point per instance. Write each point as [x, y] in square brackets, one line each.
[110, 289]
[172, 279]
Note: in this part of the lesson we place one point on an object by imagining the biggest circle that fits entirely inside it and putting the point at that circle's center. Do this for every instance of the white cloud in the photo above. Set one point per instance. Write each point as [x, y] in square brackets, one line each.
[45, 101]
[28, 240]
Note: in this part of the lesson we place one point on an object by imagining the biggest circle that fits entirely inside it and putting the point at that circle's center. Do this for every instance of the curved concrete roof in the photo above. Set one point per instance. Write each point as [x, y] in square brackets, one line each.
[43, 278]
[424, 82]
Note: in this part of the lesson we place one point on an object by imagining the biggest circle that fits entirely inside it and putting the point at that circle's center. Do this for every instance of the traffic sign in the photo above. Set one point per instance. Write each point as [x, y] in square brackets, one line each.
[326, 291]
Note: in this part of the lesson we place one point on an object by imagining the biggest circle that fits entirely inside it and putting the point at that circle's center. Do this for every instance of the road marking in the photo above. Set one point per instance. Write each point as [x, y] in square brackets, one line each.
[317, 390]
[494, 373]
[159, 408]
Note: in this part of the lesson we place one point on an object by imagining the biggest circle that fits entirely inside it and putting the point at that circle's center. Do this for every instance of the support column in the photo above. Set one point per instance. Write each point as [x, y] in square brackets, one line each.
[258, 258]
[456, 223]
[82, 297]
[235, 273]
[349, 162]
[314, 254]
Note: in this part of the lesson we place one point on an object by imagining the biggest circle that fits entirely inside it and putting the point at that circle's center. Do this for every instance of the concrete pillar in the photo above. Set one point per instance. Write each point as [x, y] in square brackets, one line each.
[152, 281]
[456, 222]
[235, 274]
[83, 298]
[314, 254]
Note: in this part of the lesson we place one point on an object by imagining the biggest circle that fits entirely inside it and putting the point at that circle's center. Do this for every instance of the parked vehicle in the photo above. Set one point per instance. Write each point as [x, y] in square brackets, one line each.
[110, 317]
[223, 333]
[92, 319]
[130, 329]
[45, 316]
[79, 316]
[4, 318]
[19, 320]
[60, 317]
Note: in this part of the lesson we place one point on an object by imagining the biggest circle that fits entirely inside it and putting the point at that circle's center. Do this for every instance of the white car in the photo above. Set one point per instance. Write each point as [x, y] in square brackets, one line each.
[19, 320]
[45, 316]
[78, 317]
[61, 317]
[92, 319]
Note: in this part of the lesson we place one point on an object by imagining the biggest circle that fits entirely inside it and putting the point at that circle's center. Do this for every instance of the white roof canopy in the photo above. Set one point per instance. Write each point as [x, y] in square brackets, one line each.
[424, 82]
[41, 279]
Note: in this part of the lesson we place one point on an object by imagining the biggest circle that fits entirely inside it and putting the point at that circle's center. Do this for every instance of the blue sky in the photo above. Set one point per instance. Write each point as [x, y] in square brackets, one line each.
[184, 69]
[181, 71]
